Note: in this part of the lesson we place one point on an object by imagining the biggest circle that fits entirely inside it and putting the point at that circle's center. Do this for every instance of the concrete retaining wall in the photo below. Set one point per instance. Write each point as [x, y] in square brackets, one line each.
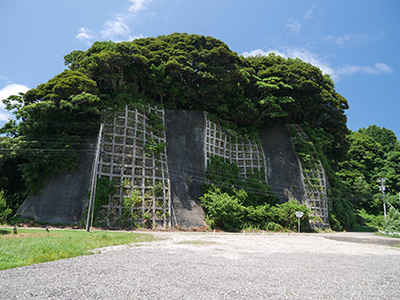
[283, 167]
[186, 166]
[191, 139]
[64, 196]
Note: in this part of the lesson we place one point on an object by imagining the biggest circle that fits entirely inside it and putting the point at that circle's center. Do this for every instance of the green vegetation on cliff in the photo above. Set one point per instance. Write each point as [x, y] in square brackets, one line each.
[193, 72]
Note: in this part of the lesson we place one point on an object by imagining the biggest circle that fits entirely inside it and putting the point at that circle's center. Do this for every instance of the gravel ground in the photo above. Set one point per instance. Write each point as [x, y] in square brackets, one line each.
[221, 266]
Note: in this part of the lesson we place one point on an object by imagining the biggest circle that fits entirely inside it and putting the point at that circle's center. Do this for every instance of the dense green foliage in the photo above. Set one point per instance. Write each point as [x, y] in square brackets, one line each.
[374, 153]
[4, 209]
[53, 120]
[392, 225]
[233, 202]
[194, 72]
[104, 189]
[201, 73]
[228, 178]
[230, 211]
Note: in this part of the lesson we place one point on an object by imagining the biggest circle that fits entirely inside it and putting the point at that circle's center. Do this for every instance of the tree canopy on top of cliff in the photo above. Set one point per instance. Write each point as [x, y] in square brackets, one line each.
[194, 72]
[201, 73]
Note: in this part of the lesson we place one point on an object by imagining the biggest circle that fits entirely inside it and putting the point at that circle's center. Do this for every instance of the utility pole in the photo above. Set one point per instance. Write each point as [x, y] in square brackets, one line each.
[89, 220]
[382, 188]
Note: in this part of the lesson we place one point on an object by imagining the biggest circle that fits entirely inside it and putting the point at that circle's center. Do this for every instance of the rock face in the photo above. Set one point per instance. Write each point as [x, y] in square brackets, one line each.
[283, 168]
[161, 157]
[64, 196]
[186, 166]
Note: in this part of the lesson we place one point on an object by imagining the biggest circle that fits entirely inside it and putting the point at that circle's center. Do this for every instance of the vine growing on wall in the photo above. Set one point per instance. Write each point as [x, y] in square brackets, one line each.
[232, 202]
[154, 147]
[104, 190]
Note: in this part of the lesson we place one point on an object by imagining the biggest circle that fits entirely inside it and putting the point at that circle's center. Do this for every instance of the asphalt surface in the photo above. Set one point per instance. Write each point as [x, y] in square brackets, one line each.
[221, 266]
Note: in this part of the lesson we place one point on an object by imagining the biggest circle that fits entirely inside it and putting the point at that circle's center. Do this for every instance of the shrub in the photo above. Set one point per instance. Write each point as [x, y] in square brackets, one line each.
[372, 220]
[228, 212]
[334, 222]
[343, 212]
[104, 189]
[222, 210]
[4, 210]
[284, 214]
[228, 178]
[128, 213]
[392, 223]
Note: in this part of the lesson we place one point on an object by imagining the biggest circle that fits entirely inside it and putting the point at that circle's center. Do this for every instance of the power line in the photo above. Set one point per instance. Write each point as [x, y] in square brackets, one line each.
[182, 169]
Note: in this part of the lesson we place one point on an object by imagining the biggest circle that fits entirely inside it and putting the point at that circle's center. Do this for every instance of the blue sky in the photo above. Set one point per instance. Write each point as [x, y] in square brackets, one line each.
[356, 41]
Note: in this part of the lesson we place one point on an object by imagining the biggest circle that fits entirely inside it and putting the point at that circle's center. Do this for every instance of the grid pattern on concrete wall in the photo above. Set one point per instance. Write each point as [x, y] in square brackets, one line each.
[314, 181]
[248, 155]
[135, 171]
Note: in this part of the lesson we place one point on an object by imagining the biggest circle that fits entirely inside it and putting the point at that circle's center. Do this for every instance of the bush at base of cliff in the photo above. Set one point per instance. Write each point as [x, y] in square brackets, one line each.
[222, 210]
[4, 210]
[228, 212]
[392, 225]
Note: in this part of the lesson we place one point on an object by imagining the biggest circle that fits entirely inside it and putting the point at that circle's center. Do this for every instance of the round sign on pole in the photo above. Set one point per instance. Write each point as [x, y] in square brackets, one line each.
[299, 214]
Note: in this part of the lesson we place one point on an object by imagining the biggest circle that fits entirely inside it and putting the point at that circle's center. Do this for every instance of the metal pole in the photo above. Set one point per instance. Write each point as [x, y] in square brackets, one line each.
[298, 226]
[382, 188]
[89, 220]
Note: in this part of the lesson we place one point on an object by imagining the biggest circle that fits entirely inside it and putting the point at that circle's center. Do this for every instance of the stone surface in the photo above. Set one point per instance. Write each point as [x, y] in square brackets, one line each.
[186, 166]
[283, 169]
[64, 196]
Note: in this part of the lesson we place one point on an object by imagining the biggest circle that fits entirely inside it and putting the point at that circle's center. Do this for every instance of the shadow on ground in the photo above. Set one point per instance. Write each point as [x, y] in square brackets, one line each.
[363, 238]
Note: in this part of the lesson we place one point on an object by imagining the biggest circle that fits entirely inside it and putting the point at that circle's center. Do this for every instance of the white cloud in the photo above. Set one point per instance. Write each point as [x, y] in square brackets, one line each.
[351, 39]
[113, 29]
[309, 13]
[5, 92]
[85, 34]
[259, 52]
[4, 116]
[12, 89]
[293, 26]
[137, 5]
[312, 58]
[320, 62]
[379, 68]
[116, 29]
[301, 53]
[5, 79]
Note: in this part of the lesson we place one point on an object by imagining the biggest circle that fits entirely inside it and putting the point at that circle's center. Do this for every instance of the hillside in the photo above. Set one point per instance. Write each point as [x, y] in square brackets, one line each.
[246, 97]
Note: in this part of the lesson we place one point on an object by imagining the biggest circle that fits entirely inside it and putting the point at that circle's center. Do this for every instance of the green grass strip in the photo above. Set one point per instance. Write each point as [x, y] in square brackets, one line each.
[33, 246]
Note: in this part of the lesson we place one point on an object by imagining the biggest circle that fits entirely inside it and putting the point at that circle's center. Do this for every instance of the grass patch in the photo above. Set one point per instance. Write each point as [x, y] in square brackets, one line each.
[197, 243]
[362, 228]
[33, 246]
[396, 236]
